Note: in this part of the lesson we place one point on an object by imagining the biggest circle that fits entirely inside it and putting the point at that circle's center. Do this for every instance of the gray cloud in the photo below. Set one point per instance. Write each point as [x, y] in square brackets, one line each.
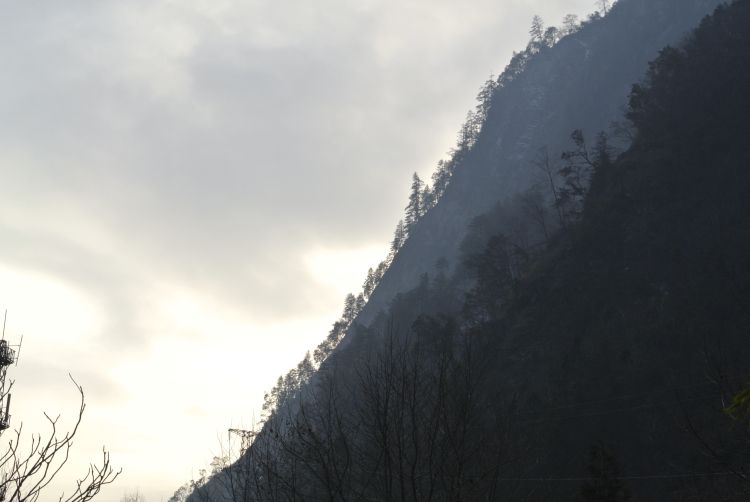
[208, 145]
[215, 145]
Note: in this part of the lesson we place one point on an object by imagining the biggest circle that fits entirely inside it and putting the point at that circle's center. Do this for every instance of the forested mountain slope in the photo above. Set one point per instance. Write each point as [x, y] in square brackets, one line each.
[581, 83]
[595, 366]
[632, 329]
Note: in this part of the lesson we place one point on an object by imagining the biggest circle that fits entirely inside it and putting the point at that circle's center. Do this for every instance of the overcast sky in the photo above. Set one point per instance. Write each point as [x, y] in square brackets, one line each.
[190, 188]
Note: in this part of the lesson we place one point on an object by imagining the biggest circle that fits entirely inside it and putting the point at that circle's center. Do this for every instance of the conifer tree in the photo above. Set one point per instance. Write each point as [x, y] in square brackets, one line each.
[350, 309]
[414, 208]
[399, 236]
[369, 284]
[291, 383]
[428, 200]
[467, 136]
[379, 272]
[484, 97]
[569, 24]
[305, 368]
[537, 30]
[440, 179]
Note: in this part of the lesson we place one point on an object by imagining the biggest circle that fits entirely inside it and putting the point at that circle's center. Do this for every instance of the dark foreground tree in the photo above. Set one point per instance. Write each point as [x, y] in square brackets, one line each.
[400, 424]
[28, 471]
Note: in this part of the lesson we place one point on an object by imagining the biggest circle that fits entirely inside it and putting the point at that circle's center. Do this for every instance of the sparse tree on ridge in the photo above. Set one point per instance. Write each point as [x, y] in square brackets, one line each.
[604, 6]
[305, 368]
[551, 36]
[359, 304]
[537, 30]
[380, 272]
[414, 208]
[440, 179]
[399, 236]
[467, 136]
[181, 494]
[428, 199]
[484, 97]
[135, 496]
[350, 309]
[369, 285]
[570, 24]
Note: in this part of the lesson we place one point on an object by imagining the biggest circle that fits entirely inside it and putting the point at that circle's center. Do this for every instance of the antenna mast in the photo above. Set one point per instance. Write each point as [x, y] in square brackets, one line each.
[8, 357]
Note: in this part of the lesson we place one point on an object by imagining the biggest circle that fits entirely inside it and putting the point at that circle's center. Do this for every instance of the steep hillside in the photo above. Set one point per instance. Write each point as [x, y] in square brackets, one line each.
[634, 325]
[592, 366]
[581, 83]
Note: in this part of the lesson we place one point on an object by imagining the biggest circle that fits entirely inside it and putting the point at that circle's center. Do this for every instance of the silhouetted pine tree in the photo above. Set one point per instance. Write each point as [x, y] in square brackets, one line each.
[414, 208]
[399, 236]
[537, 31]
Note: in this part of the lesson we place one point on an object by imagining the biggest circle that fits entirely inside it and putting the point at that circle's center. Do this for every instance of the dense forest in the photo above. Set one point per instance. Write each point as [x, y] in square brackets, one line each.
[588, 340]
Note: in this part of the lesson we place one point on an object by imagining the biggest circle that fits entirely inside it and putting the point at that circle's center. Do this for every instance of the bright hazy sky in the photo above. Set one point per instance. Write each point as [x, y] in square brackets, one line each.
[191, 187]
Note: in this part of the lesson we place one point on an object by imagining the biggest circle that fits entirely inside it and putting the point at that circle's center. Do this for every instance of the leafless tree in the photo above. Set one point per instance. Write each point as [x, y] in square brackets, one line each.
[400, 424]
[604, 6]
[570, 24]
[135, 496]
[546, 166]
[27, 472]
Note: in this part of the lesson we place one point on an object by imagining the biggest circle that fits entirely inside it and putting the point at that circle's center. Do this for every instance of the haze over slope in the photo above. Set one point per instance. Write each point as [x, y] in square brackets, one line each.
[499, 378]
[581, 83]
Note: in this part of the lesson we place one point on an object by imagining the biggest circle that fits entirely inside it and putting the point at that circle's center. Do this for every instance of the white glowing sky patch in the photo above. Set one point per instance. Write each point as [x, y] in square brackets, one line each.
[190, 188]
[343, 270]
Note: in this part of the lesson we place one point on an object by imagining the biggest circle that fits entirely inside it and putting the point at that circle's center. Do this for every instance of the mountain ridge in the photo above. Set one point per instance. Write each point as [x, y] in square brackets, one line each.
[500, 165]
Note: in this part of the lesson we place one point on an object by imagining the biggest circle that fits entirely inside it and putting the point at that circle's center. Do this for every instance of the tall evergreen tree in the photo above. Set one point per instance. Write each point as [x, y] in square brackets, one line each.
[428, 199]
[414, 208]
[440, 179]
[537, 30]
[467, 135]
[359, 303]
[350, 309]
[484, 97]
[305, 368]
[399, 237]
[369, 284]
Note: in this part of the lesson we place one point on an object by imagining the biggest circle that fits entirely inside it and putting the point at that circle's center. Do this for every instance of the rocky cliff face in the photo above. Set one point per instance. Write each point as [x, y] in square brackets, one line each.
[583, 82]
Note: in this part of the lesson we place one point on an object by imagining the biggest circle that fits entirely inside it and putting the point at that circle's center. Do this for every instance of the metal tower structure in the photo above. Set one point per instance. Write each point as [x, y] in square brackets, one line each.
[8, 357]
[246, 438]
